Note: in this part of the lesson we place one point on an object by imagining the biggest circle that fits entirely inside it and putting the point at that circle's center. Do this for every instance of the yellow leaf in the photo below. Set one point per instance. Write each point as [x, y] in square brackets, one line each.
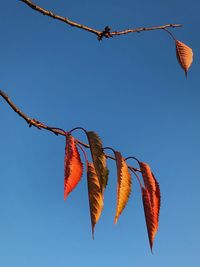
[123, 184]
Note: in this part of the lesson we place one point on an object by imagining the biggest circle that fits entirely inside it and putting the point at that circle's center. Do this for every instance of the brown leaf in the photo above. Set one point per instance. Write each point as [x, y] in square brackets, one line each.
[95, 195]
[99, 158]
[184, 55]
[73, 167]
[123, 184]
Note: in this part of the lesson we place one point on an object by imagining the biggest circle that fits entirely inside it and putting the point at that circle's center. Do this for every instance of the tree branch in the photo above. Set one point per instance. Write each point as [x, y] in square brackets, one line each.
[39, 125]
[100, 34]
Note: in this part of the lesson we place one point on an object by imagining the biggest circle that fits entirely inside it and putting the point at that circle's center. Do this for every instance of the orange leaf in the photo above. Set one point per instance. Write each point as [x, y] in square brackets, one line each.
[73, 167]
[95, 195]
[152, 186]
[123, 184]
[184, 55]
[151, 219]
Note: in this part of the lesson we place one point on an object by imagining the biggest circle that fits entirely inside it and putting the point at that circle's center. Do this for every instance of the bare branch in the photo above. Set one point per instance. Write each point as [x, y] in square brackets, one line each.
[39, 125]
[100, 34]
[63, 19]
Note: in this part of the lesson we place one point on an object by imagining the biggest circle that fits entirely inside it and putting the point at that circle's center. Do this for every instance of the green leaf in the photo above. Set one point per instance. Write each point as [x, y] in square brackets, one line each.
[99, 158]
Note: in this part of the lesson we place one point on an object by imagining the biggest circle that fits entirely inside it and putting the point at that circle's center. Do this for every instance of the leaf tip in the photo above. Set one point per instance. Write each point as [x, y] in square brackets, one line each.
[65, 194]
[151, 245]
[93, 232]
[186, 74]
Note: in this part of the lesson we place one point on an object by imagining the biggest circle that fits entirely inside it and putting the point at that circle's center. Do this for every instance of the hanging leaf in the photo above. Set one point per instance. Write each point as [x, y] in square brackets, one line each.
[157, 199]
[95, 195]
[184, 55]
[73, 167]
[123, 184]
[152, 186]
[151, 219]
[99, 158]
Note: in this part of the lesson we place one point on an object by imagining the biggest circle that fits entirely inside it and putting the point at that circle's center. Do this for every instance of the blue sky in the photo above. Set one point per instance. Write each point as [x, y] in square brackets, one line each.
[130, 90]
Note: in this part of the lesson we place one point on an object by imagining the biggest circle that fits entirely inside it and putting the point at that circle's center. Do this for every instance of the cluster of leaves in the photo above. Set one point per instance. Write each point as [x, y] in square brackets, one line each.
[97, 179]
[97, 171]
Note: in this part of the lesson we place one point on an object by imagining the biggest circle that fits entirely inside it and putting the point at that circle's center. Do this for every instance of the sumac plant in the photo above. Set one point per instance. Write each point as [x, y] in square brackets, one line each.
[97, 172]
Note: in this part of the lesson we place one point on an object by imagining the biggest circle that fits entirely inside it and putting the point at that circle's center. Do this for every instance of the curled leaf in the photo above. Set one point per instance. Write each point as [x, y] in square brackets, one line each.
[123, 184]
[184, 55]
[99, 158]
[152, 186]
[73, 167]
[95, 195]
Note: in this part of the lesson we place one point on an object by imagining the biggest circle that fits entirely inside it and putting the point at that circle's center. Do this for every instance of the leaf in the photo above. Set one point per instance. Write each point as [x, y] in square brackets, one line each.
[73, 167]
[95, 195]
[157, 200]
[184, 55]
[123, 184]
[152, 186]
[99, 158]
[151, 220]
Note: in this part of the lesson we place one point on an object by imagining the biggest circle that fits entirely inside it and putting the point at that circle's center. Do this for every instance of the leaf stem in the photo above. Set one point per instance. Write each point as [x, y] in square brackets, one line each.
[133, 158]
[84, 153]
[110, 148]
[138, 178]
[173, 37]
[78, 128]
[113, 158]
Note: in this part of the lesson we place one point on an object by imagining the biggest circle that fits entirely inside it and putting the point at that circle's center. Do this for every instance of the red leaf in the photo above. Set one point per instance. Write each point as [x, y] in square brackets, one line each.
[73, 167]
[152, 186]
[151, 219]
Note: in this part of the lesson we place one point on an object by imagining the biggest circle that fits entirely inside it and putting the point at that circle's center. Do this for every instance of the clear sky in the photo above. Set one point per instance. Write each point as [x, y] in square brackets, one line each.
[130, 90]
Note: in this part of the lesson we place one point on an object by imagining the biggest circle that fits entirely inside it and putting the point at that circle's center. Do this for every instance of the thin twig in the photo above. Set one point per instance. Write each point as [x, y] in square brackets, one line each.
[58, 17]
[39, 125]
[146, 29]
[100, 34]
